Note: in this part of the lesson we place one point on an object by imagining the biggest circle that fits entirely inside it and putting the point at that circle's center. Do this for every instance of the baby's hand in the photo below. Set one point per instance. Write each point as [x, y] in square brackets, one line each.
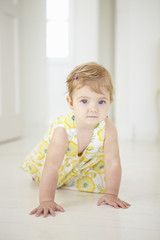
[46, 208]
[113, 200]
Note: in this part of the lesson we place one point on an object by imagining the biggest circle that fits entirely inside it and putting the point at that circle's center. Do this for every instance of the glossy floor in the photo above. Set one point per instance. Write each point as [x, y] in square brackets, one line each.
[82, 218]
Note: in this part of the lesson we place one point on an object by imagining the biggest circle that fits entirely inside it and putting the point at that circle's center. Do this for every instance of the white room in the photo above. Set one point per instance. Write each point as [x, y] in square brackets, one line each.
[41, 41]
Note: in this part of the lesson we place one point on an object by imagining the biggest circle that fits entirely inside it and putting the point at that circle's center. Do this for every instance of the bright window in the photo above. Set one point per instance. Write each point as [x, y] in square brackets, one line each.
[57, 14]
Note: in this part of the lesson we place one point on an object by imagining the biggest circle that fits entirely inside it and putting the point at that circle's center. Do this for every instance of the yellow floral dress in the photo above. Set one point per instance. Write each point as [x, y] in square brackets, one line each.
[83, 173]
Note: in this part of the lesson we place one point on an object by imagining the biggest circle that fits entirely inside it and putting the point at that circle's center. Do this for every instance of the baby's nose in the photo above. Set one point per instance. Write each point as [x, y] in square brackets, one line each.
[93, 108]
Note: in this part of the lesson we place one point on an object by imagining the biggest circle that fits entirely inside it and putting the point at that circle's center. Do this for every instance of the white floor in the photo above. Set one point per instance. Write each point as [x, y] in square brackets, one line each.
[82, 219]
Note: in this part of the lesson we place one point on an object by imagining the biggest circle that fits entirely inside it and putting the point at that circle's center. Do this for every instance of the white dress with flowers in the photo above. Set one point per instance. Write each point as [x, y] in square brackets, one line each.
[83, 173]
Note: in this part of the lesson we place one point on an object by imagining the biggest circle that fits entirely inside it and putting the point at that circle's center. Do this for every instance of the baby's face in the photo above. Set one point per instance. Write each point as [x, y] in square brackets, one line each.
[89, 107]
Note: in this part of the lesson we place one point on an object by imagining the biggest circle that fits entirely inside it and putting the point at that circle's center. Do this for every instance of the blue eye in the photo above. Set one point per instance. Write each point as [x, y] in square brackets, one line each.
[101, 102]
[84, 101]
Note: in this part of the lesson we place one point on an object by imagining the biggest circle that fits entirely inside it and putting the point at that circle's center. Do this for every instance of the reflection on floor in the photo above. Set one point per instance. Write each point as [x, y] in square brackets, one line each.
[82, 219]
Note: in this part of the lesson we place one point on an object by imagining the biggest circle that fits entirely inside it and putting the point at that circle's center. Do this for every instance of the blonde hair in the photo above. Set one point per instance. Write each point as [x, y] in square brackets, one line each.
[90, 74]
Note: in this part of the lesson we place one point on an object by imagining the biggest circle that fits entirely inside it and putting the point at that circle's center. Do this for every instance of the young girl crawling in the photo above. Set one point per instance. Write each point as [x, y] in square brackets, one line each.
[80, 149]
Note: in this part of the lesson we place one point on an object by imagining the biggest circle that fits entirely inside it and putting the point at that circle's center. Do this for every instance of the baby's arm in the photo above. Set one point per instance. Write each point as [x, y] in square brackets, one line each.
[112, 168]
[48, 183]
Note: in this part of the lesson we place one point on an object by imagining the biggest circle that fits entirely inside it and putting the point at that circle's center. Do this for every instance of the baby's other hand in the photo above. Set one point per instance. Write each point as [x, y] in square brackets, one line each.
[47, 207]
[113, 200]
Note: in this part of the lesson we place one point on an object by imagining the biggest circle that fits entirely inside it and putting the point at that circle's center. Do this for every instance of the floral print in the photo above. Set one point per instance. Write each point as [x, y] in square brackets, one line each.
[99, 167]
[83, 173]
[85, 184]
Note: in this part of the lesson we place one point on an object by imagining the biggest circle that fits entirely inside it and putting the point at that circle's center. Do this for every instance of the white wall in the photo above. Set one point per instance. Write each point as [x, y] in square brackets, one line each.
[86, 30]
[106, 37]
[33, 64]
[106, 34]
[137, 73]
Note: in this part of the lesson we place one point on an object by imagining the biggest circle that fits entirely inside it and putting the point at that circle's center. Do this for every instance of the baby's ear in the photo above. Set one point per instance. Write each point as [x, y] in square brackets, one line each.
[70, 102]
